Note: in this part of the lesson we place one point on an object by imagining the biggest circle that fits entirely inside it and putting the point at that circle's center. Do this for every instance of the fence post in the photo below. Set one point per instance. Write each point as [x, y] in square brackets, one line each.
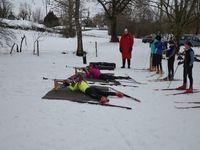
[38, 51]
[96, 48]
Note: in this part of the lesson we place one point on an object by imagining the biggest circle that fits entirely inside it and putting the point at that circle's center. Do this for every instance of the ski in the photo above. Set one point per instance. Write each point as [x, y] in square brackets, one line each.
[128, 96]
[97, 103]
[163, 80]
[113, 84]
[181, 93]
[126, 81]
[171, 89]
[131, 79]
[151, 75]
[187, 102]
[186, 107]
[141, 69]
[166, 89]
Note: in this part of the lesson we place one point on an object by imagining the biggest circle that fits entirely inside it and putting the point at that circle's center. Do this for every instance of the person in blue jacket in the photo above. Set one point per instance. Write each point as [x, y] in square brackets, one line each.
[159, 50]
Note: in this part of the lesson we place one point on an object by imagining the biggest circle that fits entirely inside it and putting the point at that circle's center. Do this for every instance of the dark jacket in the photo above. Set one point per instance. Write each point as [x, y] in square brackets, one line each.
[189, 58]
[171, 52]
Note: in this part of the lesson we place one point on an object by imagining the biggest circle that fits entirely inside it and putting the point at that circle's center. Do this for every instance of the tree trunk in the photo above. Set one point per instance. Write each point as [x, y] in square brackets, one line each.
[197, 28]
[79, 51]
[113, 23]
[70, 17]
[177, 32]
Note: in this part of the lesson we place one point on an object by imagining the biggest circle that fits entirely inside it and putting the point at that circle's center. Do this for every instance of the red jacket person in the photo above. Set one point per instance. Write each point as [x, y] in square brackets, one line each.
[125, 47]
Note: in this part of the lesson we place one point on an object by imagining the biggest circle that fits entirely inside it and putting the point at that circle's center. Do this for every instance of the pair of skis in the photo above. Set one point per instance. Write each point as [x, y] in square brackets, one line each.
[114, 84]
[106, 104]
[188, 107]
[163, 80]
[179, 93]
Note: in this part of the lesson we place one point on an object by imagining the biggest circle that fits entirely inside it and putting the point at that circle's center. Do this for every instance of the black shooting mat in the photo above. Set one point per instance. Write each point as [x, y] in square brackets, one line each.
[66, 94]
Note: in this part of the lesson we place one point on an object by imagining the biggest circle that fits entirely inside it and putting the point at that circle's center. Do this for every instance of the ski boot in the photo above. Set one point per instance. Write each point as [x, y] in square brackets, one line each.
[119, 94]
[104, 100]
[183, 87]
[190, 90]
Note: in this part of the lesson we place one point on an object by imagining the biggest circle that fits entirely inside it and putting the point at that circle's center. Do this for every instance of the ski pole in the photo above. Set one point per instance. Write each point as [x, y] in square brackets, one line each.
[54, 79]
[45, 78]
[68, 66]
[174, 75]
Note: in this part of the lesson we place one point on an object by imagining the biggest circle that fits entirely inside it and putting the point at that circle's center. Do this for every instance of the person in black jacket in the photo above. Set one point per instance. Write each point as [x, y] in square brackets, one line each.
[171, 57]
[187, 67]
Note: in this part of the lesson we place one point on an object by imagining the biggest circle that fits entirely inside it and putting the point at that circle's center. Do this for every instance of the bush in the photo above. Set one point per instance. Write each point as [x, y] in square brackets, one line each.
[51, 20]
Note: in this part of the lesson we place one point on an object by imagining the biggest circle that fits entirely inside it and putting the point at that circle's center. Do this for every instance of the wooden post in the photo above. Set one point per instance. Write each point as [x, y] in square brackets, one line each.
[22, 39]
[34, 48]
[17, 49]
[96, 48]
[12, 48]
[38, 52]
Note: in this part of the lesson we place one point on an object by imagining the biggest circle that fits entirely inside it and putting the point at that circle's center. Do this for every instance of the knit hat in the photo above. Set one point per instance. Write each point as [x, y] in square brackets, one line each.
[188, 43]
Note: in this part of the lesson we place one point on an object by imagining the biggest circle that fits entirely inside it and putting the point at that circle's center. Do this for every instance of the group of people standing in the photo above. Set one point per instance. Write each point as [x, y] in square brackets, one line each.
[158, 47]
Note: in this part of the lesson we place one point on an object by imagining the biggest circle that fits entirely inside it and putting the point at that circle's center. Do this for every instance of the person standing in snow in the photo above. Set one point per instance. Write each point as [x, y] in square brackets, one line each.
[170, 53]
[187, 67]
[125, 47]
[159, 50]
[153, 55]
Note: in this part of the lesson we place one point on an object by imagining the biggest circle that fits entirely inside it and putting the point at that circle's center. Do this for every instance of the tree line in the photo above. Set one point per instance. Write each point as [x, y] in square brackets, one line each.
[141, 17]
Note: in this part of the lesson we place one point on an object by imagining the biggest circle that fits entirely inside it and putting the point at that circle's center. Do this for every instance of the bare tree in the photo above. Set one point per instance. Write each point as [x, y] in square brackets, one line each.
[23, 13]
[72, 14]
[5, 8]
[37, 15]
[113, 8]
[68, 10]
[7, 37]
[180, 14]
[79, 51]
[197, 21]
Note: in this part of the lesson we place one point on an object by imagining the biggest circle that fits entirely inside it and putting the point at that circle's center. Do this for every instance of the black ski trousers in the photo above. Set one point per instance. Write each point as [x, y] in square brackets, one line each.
[159, 62]
[108, 77]
[170, 65]
[187, 72]
[96, 93]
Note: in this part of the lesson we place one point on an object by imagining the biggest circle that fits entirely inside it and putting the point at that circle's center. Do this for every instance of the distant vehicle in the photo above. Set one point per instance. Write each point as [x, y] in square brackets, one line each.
[147, 39]
[195, 40]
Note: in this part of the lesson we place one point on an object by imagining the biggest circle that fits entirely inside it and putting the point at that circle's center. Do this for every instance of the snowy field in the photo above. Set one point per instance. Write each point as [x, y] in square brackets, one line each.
[31, 123]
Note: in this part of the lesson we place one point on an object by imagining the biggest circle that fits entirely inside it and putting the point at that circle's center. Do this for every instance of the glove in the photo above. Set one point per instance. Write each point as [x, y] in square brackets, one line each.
[179, 57]
[84, 69]
[66, 83]
[120, 49]
[130, 49]
[180, 62]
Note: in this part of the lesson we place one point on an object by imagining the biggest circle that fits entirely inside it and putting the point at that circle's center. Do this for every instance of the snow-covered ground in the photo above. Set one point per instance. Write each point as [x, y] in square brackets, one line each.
[28, 122]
